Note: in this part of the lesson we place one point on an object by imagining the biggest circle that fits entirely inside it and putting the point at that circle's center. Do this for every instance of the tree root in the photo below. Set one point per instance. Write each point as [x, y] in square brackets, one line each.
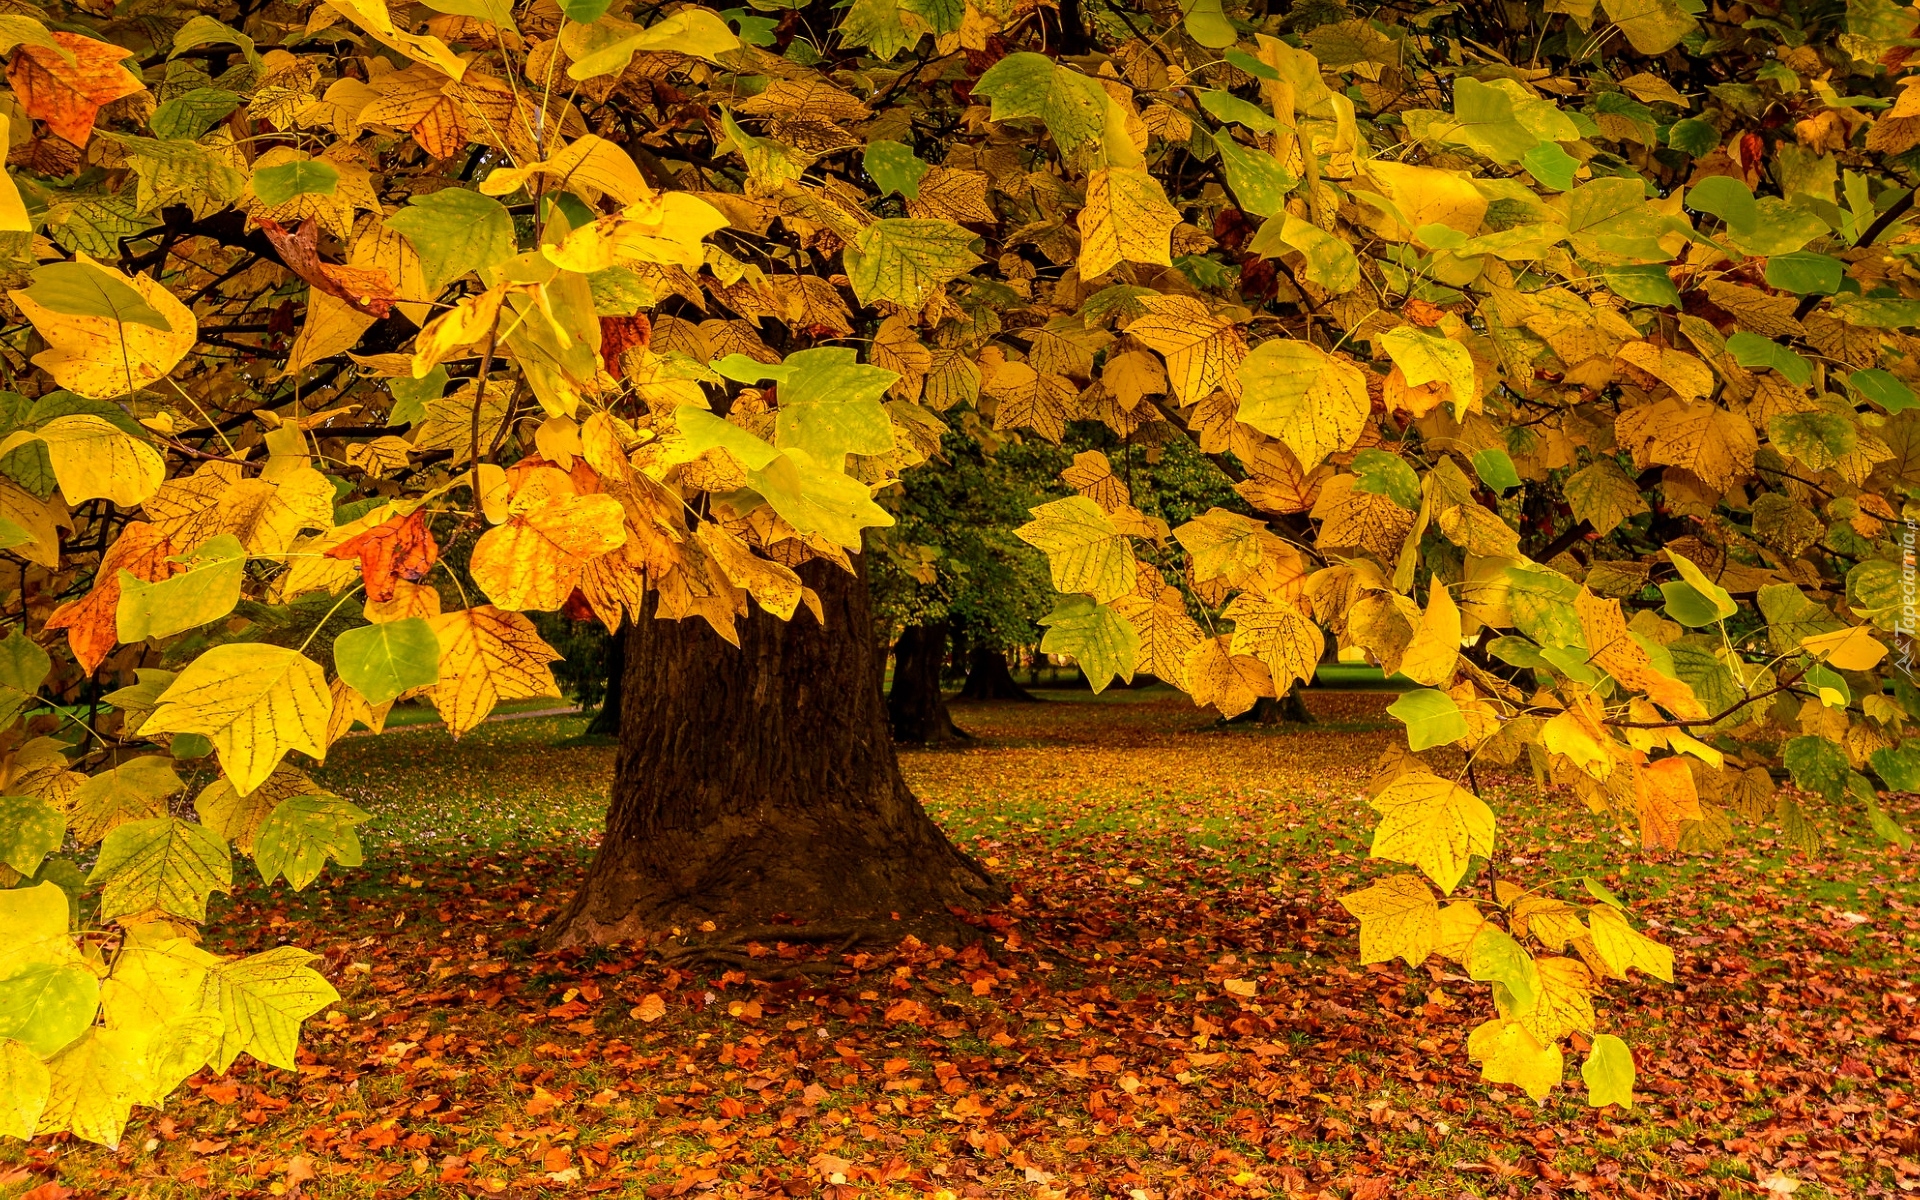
[727, 949]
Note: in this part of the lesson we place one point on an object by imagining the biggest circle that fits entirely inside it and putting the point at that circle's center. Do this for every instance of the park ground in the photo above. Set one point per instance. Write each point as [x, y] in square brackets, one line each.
[1163, 869]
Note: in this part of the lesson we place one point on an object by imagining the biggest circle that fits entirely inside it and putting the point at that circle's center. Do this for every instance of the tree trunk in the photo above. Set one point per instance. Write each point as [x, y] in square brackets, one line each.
[758, 783]
[1289, 709]
[916, 709]
[606, 722]
[989, 679]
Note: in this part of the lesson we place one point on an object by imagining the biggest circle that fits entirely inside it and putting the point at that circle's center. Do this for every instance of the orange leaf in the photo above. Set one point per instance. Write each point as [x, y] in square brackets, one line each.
[68, 95]
[89, 621]
[399, 547]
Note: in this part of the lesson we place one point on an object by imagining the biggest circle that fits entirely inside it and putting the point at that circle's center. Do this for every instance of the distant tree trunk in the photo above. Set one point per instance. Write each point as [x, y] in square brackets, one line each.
[606, 722]
[916, 709]
[759, 782]
[1289, 709]
[989, 679]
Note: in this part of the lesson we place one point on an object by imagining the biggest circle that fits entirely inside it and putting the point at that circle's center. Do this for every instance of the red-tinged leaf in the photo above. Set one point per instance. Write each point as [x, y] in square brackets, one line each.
[621, 334]
[397, 548]
[368, 289]
[69, 95]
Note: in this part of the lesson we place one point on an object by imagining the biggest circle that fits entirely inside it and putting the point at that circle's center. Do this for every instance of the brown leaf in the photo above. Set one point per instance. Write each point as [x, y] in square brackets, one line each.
[367, 289]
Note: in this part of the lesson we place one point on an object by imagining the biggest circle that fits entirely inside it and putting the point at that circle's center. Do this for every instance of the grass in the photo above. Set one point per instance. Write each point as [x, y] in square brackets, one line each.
[1154, 855]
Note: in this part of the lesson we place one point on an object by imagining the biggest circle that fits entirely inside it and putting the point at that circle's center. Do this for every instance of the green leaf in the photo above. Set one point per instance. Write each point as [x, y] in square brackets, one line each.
[1805, 273]
[895, 168]
[80, 289]
[164, 863]
[1494, 957]
[303, 177]
[30, 829]
[1231, 109]
[1495, 469]
[1518, 652]
[1608, 1072]
[814, 499]
[23, 668]
[381, 661]
[1643, 285]
[1541, 601]
[703, 431]
[411, 396]
[189, 115]
[1817, 765]
[263, 998]
[1601, 892]
[1818, 439]
[1206, 22]
[1898, 768]
[1693, 599]
[455, 231]
[904, 260]
[1026, 84]
[1882, 388]
[1691, 135]
[1100, 640]
[303, 832]
[1258, 180]
[586, 12]
[1551, 166]
[207, 590]
[1752, 350]
[1727, 198]
[1431, 716]
[830, 406]
[1380, 473]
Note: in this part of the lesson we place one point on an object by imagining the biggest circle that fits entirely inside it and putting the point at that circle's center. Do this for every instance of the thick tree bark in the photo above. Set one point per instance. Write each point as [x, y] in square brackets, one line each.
[606, 722]
[916, 709]
[758, 784]
[989, 679]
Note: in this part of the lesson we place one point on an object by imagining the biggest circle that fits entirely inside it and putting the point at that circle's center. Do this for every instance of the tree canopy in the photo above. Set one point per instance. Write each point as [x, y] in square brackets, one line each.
[1562, 354]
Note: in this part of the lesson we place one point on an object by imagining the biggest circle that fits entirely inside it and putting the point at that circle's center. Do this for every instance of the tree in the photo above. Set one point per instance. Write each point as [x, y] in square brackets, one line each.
[758, 781]
[916, 705]
[1581, 393]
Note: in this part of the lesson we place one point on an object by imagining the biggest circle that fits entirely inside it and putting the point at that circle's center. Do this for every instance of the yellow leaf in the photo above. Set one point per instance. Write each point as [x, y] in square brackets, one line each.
[1850, 649]
[1314, 403]
[1621, 947]
[1202, 351]
[255, 702]
[1689, 378]
[1127, 219]
[1425, 358]
[1427, 196]
[1228, 681]
[102, 357]
[1158, 613]
[666, 228]
[1562, 1001]
[592, 166]
[95, 459]
[1086, 552]
[776, 586]
[1459, 921]
[13, 210]
[372, 16]
[1509, 1053]
[1279, 635]
[1431, 656]
[488, 655]
[534, 560]
[1399, 918]
[1434, 824]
